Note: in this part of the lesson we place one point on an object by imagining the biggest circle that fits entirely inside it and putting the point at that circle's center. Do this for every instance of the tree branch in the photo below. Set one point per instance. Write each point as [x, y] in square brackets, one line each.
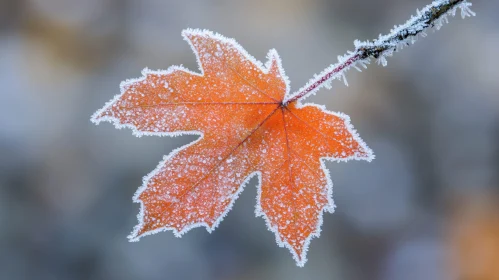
[432, 16]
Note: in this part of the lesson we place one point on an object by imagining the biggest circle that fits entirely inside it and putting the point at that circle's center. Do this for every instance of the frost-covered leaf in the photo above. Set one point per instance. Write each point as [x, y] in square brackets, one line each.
[236, 107]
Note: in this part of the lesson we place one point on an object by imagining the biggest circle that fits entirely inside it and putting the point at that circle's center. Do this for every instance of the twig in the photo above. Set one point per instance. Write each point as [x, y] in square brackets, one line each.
[432, 16]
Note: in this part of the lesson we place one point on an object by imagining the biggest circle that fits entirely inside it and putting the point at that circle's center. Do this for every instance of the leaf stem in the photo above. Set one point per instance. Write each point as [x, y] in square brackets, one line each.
[432, 16]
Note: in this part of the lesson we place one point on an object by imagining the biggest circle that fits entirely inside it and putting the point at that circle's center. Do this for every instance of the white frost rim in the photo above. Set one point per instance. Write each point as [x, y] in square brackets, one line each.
[272, 54]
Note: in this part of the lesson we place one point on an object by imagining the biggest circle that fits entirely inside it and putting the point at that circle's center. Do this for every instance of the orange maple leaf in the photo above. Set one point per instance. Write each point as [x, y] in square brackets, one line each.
[236, 107]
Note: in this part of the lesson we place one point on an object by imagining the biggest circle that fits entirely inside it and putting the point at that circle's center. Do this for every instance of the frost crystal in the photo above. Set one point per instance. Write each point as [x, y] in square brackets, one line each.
[249, 125]
[432, 16]
[235, 104]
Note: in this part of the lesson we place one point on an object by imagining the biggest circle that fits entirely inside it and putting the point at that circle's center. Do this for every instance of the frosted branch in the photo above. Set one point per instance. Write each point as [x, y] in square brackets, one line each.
[432, 16]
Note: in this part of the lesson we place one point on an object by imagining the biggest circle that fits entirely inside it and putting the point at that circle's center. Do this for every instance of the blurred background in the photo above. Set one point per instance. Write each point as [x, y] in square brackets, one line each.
[426, 208]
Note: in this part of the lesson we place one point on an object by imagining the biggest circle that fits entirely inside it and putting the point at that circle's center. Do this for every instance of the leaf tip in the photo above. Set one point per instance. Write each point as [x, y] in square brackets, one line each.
[137, 233]
[364, 152]
[273, 60]
[190, 33]
[133, 237]
[300, 255]
[95, 118]
[274, 65]
[300, 262]
[101, 115]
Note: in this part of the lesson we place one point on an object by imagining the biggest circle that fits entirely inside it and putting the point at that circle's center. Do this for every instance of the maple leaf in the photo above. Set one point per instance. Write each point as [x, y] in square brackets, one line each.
[236, 107]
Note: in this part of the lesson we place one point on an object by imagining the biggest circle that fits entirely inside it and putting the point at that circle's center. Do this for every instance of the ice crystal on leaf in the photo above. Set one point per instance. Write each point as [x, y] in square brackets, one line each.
[249, 125]
[236, 106]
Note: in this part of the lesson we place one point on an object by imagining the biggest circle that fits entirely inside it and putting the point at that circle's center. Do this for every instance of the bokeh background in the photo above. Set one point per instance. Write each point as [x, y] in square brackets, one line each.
[426, 208]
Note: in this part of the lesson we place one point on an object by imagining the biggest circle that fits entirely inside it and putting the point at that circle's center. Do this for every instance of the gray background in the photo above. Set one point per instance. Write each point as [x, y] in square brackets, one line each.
[431, 116]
